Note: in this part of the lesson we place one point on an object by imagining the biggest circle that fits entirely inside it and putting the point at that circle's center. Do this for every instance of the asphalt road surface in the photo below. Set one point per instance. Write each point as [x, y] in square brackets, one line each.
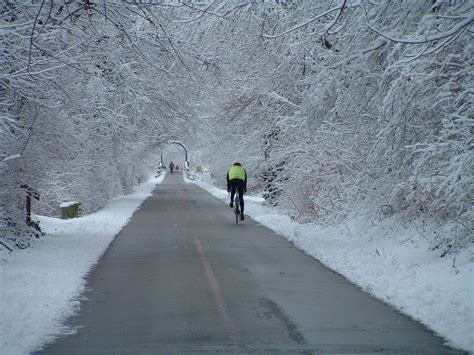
[182, 277]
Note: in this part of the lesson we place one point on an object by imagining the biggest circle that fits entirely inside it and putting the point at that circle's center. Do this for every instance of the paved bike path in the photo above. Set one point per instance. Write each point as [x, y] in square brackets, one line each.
[183, 277]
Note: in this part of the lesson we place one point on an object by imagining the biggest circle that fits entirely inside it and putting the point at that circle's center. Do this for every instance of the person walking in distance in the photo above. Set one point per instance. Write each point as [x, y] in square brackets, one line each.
[171, 167]
[237, 180]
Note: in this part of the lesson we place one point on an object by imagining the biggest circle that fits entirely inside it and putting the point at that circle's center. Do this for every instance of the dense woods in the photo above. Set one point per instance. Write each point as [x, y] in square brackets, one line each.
[335, 107]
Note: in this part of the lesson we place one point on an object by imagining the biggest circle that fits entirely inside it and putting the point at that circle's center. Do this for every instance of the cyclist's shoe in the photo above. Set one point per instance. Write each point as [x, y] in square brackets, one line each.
[242, 217]
[231, 205]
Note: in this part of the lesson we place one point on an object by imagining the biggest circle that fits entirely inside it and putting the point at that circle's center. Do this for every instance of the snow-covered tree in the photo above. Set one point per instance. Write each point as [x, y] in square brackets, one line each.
[333, 106]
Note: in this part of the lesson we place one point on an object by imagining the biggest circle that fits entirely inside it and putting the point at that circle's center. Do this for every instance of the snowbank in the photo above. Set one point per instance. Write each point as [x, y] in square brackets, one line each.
[40, 286]
[391, 262]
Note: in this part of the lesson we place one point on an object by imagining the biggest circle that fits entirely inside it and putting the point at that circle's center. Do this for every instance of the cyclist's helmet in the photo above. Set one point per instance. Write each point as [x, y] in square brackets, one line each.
[237, 163]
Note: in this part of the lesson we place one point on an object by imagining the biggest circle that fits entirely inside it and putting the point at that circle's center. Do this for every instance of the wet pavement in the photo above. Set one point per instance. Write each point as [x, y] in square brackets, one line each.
[182, 277]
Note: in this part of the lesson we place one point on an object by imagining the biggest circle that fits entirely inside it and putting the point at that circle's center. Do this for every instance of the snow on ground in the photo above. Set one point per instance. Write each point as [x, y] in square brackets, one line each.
[41, 285]
[392, 263]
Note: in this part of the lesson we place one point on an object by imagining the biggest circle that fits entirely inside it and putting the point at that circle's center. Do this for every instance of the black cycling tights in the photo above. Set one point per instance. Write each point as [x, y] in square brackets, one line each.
[239, 185]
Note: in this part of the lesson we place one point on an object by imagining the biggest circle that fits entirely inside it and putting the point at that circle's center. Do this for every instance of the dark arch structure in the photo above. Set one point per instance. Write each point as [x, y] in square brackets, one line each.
[185, 153]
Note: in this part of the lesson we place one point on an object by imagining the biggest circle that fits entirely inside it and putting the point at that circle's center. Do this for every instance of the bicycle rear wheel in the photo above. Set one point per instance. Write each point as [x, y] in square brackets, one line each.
[237, 209]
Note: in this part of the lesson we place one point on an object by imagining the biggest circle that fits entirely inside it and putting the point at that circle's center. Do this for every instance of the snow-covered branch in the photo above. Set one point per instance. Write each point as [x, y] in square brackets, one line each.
[461, 26]
[339, 8]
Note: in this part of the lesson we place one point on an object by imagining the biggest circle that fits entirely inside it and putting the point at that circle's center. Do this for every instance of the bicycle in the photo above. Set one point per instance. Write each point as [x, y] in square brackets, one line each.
[237, 208]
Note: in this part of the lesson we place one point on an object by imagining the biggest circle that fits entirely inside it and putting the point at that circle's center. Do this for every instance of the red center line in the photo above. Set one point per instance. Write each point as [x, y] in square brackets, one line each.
[213, 283]
[216, 290]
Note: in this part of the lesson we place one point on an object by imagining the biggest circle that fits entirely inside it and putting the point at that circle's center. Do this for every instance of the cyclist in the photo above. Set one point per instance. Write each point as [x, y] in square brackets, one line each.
[237, 180]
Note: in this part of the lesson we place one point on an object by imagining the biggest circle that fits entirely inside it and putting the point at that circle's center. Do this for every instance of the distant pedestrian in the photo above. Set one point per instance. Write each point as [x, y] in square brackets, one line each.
[171, 167]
